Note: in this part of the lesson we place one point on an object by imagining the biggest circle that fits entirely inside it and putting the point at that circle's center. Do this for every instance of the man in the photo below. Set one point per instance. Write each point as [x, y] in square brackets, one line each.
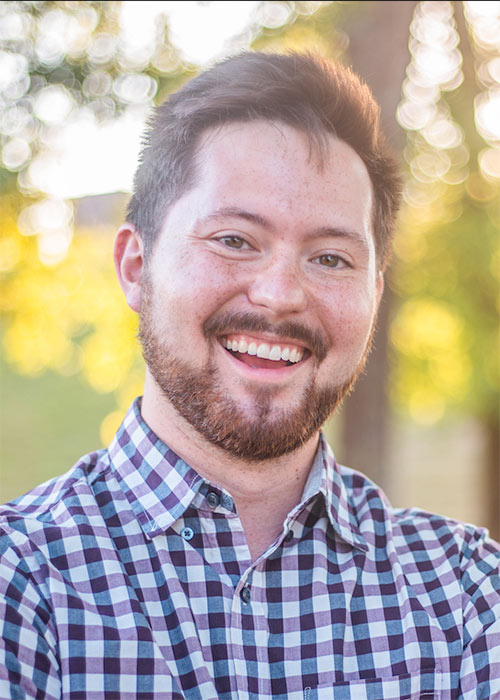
[216, 550]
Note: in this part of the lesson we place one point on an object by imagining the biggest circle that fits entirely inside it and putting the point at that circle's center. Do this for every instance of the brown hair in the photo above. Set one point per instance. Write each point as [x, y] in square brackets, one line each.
[300, 90]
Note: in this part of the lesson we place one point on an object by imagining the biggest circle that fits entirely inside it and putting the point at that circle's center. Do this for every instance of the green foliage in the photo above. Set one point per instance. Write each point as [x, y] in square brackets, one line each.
[444, 335]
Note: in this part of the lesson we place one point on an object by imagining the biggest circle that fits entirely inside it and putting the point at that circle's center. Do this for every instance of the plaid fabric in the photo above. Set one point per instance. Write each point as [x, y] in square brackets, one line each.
[130, 577]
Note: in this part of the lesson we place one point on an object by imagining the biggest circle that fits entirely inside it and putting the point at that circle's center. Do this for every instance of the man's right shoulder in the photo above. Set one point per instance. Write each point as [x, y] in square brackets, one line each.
[53, 503]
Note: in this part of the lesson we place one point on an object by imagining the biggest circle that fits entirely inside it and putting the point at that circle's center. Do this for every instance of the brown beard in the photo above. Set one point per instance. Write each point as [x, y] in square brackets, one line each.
[198, 397]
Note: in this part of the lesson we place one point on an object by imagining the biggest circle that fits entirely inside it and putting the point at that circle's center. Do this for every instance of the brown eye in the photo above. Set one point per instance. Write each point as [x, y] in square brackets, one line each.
[233, 242]
[330, 260]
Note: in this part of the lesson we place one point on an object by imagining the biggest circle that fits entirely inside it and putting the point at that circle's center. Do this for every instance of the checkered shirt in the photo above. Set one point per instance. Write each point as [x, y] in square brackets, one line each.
[130, 577]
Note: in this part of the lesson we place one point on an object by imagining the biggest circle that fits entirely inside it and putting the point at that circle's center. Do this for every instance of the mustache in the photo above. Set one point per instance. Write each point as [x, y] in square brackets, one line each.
[230, 322]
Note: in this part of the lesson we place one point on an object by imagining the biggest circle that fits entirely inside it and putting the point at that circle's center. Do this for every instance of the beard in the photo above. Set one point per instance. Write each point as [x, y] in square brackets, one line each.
[197, 394]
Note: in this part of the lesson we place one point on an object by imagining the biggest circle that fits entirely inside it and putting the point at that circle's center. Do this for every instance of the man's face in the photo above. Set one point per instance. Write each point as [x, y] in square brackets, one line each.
[260, 295]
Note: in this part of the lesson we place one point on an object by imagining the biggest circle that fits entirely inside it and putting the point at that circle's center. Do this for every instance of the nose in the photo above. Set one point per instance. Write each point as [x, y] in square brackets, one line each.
[279, 289]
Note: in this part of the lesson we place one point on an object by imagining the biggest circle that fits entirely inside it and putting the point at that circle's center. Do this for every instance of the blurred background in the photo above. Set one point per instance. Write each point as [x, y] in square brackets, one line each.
[77, 82]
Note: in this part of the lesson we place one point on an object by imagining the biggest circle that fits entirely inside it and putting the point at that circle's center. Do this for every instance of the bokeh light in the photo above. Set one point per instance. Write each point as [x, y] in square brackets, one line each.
[77, 83]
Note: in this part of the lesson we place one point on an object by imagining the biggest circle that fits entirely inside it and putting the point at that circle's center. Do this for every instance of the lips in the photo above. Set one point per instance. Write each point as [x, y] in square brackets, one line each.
[253, 339]
[261, 353]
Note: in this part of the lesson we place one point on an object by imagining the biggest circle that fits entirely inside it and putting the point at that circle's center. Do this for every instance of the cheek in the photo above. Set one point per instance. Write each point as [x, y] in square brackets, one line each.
[187, 296]
[350, 317]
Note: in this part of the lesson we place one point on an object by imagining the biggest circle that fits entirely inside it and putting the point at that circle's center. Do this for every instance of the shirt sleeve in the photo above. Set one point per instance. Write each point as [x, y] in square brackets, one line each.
[28, 646]
[480, 668]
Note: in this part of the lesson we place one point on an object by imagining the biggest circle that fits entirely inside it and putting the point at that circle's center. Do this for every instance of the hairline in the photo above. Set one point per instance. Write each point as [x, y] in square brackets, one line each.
[318, 148]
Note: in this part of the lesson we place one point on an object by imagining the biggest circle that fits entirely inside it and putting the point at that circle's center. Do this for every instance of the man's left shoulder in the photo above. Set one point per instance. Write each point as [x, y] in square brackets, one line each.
[468, 547]
[421, 534]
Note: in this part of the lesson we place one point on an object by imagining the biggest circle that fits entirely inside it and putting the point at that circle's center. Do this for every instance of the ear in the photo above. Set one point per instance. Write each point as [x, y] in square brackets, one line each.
[129, 263]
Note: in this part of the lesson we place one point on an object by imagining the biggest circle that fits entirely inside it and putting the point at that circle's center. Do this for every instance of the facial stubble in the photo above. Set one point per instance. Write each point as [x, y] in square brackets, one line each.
[198, 396]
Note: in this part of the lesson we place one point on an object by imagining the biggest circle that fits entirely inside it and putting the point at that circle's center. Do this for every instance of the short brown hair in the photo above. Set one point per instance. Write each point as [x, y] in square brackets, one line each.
[300, 90]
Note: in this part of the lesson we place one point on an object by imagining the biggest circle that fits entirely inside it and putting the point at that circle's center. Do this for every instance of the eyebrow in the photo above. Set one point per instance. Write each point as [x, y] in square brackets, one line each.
[253, 217]
[347, 234]
[237, 213]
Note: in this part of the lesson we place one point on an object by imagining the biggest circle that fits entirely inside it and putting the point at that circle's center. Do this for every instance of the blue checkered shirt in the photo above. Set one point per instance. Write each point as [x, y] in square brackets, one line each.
[130, 577]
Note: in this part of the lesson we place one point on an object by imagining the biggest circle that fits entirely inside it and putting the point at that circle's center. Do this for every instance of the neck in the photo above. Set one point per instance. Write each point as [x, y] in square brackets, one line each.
[264, 492]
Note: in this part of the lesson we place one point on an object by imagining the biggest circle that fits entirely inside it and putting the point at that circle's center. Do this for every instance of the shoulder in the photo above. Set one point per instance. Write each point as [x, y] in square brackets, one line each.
[418, 535]
[465, 545]
[47, 532]
[52, 507]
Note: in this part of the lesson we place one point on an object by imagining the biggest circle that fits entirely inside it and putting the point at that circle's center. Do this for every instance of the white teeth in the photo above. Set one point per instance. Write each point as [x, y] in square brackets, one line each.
[263, 351]
[275, 353]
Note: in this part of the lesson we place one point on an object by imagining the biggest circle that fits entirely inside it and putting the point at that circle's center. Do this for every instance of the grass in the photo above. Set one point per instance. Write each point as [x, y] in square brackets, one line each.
[46, 423]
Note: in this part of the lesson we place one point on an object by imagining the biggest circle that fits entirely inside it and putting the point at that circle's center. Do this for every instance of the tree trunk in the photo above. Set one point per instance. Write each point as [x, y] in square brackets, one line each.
[492, 515]
[379, 53]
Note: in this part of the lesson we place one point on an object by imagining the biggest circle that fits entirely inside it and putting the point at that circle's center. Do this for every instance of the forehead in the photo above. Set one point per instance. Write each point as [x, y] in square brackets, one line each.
[276, 160]
[263, 138]
[259, 136]
[270, 170]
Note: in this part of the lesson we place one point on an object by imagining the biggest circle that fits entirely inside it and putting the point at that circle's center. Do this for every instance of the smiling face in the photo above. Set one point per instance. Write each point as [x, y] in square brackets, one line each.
[259, 298]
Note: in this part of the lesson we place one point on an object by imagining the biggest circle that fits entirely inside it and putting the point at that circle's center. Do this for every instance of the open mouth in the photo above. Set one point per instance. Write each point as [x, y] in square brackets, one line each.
[264, 355]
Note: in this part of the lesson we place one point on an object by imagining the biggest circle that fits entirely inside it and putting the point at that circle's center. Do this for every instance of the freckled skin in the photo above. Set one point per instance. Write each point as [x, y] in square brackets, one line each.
[268, 169]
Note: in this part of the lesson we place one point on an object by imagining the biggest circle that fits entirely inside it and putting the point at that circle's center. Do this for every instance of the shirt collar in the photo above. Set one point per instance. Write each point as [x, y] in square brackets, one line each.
[325, 478]
[159, 485]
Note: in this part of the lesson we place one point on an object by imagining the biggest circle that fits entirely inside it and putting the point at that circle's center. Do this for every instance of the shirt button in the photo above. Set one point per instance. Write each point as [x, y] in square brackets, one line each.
[187, 533]
[289, 536]
[245, 594]
[213, 500]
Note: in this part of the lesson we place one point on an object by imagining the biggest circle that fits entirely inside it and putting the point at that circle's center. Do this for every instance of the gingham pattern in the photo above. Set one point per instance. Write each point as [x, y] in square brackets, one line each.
[130, 577]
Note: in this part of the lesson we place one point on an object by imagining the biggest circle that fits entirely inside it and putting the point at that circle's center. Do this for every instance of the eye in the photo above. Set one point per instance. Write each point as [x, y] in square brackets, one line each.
[331, 260]
[234, 242]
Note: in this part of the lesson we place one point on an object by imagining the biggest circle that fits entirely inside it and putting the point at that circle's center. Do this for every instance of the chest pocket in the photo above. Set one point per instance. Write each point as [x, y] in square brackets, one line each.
[425, 685]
